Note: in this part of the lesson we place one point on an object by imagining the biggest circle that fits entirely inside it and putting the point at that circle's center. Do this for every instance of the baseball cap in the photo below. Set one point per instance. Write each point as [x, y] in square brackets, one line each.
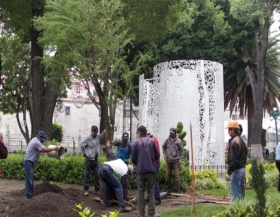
[42, 135]
[142, 129]
[94, 128]
[125, 135]
[172, 130]
[130, 168]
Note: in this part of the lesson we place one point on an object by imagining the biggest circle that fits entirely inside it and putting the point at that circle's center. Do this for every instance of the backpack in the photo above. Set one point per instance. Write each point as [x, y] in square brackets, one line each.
[3, 150]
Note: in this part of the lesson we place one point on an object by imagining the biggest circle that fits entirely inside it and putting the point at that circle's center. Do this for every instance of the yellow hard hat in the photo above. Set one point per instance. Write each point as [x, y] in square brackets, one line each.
[233, 124]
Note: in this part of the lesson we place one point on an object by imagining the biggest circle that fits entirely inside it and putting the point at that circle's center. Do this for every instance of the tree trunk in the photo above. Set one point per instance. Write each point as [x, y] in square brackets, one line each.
[257, 80]
[43, 96]
[37, 84]
[256, 147]
[250, 114]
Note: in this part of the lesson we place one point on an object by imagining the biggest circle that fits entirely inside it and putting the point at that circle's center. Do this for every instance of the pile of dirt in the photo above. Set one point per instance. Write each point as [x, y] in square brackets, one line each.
[51, 200]
[59, 201]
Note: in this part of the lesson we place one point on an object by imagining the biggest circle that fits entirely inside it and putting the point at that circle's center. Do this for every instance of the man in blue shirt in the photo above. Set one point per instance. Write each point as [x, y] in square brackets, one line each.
[124, 148]
[34, 147]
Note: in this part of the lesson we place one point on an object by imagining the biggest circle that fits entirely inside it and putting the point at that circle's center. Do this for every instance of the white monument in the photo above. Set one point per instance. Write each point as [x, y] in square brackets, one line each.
[191, 92]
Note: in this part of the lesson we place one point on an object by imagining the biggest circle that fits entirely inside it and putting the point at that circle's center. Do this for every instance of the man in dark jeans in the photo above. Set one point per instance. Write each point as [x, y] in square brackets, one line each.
[115, 174]
[144, 155]
[173, 154]
[90, 149]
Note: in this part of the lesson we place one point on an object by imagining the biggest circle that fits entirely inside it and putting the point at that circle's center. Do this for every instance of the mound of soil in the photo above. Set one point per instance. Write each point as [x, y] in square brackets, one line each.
[58, 201]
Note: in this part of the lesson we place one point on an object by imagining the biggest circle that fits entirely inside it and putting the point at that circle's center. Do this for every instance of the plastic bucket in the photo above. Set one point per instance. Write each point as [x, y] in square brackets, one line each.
[56, 154]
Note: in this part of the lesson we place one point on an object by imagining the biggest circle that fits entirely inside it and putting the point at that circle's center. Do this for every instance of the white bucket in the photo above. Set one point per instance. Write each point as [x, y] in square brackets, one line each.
[56, 154]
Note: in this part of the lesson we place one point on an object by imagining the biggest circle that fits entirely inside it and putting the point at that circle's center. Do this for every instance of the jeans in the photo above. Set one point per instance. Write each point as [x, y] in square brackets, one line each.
[237, 187]
[277, 162]
[143, 180]
[176, 168]
[157, 191]
[91, 165]
[29, 178]
[112, 183]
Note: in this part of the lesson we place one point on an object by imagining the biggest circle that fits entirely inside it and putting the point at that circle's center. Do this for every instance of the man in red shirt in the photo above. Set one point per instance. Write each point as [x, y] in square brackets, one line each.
[157, 191]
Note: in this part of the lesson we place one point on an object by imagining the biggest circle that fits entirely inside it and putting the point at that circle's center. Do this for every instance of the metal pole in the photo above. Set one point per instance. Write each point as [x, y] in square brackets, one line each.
[275, 118]
[193, 184]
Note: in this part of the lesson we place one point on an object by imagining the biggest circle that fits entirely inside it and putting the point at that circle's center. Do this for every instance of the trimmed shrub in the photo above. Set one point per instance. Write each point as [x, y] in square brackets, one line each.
[57, 132]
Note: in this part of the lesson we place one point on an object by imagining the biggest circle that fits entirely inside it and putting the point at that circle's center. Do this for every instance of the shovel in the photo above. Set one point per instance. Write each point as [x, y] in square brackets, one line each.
[162, 194]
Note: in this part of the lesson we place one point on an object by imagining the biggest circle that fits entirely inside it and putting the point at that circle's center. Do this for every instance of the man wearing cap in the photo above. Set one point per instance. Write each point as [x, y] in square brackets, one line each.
[144, 155]
[32, 154]
[237, 157]
[173, 154]
[124, 148]
[90, 149]
[115, 174]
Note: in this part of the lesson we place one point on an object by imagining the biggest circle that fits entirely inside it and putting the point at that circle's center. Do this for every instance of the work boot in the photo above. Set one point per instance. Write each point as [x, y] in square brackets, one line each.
[157, 202]
[125, 209]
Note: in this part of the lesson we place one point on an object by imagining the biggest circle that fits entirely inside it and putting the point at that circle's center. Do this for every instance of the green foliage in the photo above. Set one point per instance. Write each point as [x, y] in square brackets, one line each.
[57, 132]
[239, 209]
[206, 35]
[54, 142]
[70, 170]
[182, 134]
[12, 167]
[259, 185]
[208, 179]
[247, 207]
[149, 20]
[85, 212]
[202, 210]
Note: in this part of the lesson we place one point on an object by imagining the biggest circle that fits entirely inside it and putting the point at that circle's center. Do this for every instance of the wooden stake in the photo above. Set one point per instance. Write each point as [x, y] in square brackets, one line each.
[193, 186]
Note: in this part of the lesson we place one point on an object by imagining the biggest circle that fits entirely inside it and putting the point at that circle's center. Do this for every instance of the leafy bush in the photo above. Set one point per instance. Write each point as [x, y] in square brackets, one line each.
[239, 209]
[246, 208]
[57, 132]
[208, 184]
[85, 212]
[271, 175]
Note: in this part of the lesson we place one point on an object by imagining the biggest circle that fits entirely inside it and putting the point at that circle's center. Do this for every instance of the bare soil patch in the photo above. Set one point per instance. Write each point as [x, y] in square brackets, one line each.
[56, 200]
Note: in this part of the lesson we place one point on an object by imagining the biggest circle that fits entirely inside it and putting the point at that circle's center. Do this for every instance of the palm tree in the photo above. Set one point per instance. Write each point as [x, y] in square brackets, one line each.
[237, 88]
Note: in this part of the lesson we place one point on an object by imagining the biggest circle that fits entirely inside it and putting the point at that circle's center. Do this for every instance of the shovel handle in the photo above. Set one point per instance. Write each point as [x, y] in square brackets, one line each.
[184, 195]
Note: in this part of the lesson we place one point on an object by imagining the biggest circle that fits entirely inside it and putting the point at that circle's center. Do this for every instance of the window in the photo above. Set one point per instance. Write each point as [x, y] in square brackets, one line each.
[67, 110]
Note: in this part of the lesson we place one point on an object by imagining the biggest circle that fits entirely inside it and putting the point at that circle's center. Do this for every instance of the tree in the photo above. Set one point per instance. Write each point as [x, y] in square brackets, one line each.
[89, 38]
[203, 33]
[258, 14]
[14, 80]
[237, 88]
[17, 17]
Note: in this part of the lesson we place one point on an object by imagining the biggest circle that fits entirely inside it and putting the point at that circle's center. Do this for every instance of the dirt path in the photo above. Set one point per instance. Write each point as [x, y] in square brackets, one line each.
[59, 201]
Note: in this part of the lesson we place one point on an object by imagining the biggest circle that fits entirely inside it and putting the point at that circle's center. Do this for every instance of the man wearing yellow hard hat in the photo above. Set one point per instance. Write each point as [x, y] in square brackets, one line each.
[237, 157]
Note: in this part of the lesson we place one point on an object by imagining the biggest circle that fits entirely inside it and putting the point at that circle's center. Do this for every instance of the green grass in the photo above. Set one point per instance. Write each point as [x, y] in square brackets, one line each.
[208, 210]
[202, 210]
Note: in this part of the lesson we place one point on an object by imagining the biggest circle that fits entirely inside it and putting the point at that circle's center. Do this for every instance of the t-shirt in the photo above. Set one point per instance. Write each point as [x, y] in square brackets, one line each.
[118, 166]
[33, 150]
[124, 151]
[157, 144]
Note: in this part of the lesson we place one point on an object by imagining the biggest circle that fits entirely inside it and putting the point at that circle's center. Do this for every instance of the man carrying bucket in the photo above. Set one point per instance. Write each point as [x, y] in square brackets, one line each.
[34, 147]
